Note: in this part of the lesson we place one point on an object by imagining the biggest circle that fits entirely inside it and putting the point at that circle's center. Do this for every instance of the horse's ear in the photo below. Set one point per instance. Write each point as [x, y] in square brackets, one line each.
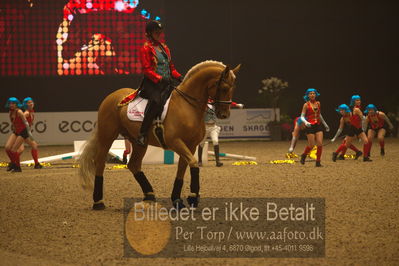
[236, 69]
[226, 72]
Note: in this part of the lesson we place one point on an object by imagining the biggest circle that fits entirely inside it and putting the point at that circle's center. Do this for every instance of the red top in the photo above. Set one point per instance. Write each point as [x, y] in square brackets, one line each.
[30, 117]
[313, 114]
[376, 121]
[356, 121]
[347, 117]
[148, 61]
[16, 120]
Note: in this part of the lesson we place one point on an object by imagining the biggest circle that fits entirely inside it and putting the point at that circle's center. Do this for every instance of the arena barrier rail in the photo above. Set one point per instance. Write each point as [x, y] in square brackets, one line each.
[154, 155]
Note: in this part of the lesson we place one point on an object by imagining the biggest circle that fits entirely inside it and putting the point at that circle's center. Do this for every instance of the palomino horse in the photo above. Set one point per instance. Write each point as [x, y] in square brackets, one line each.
[184, 128]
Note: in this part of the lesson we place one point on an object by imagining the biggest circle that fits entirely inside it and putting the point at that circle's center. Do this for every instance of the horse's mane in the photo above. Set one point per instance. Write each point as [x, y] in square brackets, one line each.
[201, 66]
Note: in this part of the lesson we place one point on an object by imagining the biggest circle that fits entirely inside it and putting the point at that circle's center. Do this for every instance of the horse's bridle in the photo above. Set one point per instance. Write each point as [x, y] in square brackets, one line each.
[217, 101]
[190, 99]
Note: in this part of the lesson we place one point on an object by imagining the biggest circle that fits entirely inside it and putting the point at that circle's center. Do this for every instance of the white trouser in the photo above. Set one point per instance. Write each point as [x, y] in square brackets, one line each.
[213, 131]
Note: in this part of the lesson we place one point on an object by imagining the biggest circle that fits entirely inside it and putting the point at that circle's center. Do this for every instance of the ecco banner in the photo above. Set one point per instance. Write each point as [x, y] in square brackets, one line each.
[55, 128]
[62, 128]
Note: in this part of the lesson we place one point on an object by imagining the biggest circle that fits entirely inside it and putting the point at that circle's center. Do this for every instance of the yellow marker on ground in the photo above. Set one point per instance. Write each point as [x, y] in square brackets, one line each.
[245, 163]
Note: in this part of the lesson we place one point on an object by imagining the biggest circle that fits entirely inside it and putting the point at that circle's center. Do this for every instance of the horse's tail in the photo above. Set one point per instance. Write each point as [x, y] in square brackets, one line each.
[87, 167]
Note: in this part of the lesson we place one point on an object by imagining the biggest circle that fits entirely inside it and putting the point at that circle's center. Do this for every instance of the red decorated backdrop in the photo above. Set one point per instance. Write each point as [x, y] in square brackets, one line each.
[87, 37]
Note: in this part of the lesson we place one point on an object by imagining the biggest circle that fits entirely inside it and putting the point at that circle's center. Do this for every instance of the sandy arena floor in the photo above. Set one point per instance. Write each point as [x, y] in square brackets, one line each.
[46, 218]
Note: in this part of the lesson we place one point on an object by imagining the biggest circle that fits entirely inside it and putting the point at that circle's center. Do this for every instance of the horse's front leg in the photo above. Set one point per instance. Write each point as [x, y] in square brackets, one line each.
[178, 184]
[186, 158]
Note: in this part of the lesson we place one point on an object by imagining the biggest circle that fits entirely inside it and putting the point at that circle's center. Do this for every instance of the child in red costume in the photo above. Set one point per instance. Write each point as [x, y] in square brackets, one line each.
[28, 104]
[344, 125]
[311, 116]
[378, 124]
[21, 132]
[357, 127]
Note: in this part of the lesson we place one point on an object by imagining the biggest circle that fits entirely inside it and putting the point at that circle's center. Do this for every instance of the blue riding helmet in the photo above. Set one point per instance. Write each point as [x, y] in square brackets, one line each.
[369, 107]
[306, 97]
[25, 102]
[354, 98]
[12, 100]
[343, 107]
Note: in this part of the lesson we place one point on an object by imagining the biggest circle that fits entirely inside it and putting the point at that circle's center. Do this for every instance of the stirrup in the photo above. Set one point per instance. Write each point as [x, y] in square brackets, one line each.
[141, 140]
[158, 131]
[158, 122]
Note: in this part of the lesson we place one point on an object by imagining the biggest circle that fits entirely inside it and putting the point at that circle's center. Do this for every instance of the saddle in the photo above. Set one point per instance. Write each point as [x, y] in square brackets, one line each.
[136, 111]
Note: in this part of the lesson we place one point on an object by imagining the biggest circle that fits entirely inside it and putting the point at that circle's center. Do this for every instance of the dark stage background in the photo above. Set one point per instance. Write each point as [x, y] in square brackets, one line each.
[339, 47]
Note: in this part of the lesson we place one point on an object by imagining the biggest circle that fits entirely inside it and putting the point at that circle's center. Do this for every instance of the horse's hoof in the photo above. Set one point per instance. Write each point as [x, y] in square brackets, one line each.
[98, 206]
[193, 201]
[178, 204]
[149, 197]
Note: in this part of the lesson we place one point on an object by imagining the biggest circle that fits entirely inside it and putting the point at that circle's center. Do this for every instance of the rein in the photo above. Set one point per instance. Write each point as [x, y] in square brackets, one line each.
[191, 99]
[221, 102]
[188, 98]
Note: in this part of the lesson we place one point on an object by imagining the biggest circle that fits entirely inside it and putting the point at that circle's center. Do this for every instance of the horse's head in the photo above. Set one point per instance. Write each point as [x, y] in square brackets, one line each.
[222, 92]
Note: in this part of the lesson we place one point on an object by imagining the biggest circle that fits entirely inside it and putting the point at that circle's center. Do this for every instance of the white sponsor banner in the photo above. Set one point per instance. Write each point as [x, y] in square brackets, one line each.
[56, 128]
[62, 128]
[247, 123]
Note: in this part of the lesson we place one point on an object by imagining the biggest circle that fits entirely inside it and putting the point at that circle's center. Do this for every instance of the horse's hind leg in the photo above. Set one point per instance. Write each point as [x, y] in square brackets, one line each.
[99, 179]
[104, 144]
[134, 166]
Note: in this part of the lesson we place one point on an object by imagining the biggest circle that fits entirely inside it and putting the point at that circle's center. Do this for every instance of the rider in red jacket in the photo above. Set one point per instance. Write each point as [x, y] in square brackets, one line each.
[158, 72]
